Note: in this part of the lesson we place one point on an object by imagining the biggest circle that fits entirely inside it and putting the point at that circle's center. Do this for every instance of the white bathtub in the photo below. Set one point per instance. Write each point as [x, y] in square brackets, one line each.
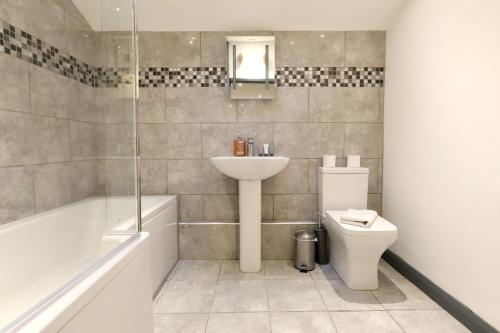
[159, 219]
[52, 256]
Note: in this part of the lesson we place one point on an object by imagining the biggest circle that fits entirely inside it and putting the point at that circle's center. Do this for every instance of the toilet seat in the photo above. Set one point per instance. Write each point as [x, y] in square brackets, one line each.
[380, 227]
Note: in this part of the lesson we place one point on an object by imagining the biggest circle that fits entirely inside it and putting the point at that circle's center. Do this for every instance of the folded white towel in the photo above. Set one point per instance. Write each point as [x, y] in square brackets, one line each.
[361, 218]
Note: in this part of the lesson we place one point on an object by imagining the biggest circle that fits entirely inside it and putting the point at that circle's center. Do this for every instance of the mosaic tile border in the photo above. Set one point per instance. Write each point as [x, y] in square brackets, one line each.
[27, 47]
[24, 46]
[330, 77]
[151, 77]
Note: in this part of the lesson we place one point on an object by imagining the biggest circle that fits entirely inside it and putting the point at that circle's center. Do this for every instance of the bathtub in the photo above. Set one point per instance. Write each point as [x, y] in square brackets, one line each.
[159, 219]
[54, 264]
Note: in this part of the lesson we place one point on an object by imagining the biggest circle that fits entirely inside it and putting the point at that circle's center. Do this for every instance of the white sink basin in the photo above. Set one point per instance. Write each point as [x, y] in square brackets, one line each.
[250, 167]
[250, 171]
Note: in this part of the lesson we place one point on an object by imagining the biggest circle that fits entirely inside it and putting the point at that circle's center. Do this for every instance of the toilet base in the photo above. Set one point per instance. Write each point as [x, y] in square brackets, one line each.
[355, 258]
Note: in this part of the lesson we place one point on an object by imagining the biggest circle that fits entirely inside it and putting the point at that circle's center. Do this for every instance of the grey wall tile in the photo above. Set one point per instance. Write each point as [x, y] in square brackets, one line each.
[174, 141]
[314, 164]
[114, 105]
[31, 139]
[169, 49]
[290, 105]
[198, 177]
[151, 105]
[380, 175]
[113, 48]
[153, 177]
[308, 140]
[267, 205]
[218, 138]
[85, 109]
[295, 207]
[117, 177]
[292, 179]
[372, 165]
[365, 48]
[194, 105]
[214, 48]
[17, 199]
[202, 241]
[220, 208]
[71, 9]
[14, 86]
[278, 240]
[375, 202]
[364, 139]
[185, 176]
[79, 39]
[382, 105]
[311, 48]
[63, 183]
[42, 18]
[83, 140]
[344, 104]
[191, 208]
[52, 94]
[118, 140]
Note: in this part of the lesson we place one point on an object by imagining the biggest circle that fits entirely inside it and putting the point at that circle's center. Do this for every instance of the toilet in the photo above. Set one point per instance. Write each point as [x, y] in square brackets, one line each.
[354, 251]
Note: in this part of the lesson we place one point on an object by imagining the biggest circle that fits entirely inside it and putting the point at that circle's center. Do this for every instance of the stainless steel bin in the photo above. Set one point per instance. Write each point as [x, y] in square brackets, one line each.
[304, 254]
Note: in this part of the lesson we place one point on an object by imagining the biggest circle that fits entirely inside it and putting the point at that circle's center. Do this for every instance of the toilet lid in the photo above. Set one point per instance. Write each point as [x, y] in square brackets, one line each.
[380, 227]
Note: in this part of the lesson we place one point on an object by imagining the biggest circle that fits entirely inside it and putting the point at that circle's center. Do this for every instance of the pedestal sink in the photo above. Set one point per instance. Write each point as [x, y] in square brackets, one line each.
[250, 171]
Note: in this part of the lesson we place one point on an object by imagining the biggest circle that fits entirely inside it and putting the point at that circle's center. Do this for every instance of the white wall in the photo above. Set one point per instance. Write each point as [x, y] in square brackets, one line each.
[442, 146]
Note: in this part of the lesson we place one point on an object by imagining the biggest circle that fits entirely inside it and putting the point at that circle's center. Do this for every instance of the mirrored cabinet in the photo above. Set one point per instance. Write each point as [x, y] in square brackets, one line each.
[251, 67]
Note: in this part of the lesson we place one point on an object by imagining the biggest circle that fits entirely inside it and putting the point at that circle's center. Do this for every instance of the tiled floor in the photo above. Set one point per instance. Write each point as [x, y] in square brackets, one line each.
[213, 296]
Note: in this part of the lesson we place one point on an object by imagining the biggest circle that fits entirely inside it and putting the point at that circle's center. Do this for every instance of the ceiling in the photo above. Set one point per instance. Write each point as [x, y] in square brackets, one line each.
[226, 15]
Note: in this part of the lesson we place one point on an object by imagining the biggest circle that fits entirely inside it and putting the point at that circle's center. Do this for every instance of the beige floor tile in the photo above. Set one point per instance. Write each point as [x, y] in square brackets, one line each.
[324, 272]
[197, 270]
[338, 297]
[191, 296]
[293, 295]
[301, 322]
[230, 270]
[428, 321]
[365, 322]
[282, 269]
[401, 294]
[175, 323]
[240, 296]
[238, 323]
[385, 271]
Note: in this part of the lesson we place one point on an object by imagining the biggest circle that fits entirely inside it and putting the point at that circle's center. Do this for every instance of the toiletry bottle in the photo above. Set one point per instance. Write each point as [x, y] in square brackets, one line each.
[250, 146]
[266, 149]
[239, 146]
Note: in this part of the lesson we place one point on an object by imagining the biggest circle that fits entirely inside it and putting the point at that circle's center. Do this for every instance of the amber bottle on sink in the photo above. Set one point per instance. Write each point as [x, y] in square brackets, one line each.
[239, 146]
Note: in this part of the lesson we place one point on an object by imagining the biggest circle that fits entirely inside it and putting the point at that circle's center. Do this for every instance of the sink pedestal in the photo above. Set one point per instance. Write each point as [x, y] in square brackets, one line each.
[250, 225]
[250, 171]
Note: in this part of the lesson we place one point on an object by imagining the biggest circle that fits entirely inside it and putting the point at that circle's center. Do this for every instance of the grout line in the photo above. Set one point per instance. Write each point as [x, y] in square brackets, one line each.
[30, 113]
[395, 320]
[318, 291]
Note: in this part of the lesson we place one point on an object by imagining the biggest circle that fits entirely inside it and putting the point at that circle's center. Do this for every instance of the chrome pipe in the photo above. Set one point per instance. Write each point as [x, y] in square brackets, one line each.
[267, 66]
[234, 67]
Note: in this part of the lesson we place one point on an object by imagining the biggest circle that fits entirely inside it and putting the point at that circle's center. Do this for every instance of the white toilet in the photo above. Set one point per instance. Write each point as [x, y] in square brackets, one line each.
[354, 251]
